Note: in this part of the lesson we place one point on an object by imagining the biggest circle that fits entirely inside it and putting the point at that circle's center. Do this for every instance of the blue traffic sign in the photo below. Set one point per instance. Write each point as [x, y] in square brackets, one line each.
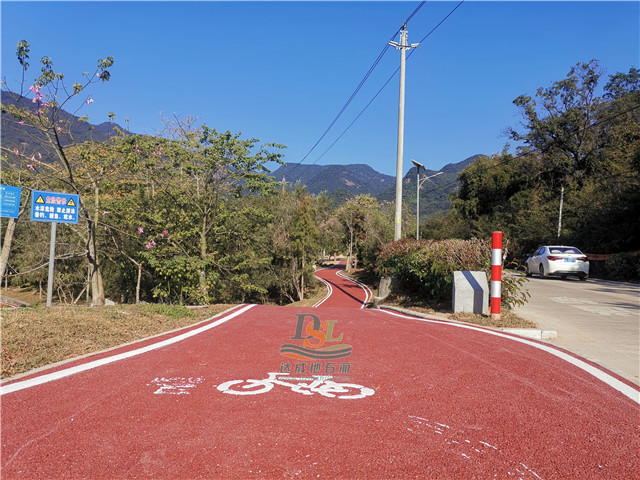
[54, 207]
[10, 201]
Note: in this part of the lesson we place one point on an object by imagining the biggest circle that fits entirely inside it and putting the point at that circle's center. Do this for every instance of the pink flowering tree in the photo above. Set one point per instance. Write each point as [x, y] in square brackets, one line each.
[193, 177]
[38, 110]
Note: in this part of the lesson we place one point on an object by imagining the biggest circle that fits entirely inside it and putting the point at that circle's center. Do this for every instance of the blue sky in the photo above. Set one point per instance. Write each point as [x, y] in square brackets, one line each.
[281, 71]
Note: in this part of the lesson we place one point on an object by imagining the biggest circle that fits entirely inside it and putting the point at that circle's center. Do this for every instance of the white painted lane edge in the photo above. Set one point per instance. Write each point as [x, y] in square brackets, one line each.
[32, 382]
[328, 285]
[364, 287]
[613, 382]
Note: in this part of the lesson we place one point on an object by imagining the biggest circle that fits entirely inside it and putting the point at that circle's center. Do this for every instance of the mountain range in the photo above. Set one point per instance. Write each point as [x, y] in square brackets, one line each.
[340, 182]
[29, 142]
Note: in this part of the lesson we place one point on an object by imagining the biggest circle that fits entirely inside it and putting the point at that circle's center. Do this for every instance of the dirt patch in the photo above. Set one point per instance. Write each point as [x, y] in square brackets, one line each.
[35, 336]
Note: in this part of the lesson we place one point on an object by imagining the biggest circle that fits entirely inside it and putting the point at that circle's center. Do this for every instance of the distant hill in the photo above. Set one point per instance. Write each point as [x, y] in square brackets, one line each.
[342, 182]
[22, 138]
[434, 192]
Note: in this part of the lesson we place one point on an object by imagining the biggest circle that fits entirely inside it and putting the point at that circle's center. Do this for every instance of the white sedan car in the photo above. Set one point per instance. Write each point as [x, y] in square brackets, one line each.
[558, 260]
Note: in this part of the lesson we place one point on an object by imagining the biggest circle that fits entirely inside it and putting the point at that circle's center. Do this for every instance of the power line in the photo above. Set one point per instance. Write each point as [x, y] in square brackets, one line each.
[355, 92]
[377, 93]
[436, 27]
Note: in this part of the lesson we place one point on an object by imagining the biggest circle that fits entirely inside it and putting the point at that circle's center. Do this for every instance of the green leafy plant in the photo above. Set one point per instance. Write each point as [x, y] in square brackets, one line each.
[426, 267]
[623, 267]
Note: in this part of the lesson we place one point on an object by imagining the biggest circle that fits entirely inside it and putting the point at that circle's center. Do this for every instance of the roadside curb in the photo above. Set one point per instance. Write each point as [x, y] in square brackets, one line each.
[532, 333]
[12, 302]
[414, 313]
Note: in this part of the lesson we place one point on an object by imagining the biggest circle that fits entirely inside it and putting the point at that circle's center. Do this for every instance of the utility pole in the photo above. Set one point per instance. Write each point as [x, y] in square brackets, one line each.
[402, 46]
[560, 214]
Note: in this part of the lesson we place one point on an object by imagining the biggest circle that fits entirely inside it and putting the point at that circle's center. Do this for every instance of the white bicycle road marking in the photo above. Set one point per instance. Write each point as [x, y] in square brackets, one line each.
[175, 385]
[319, 384]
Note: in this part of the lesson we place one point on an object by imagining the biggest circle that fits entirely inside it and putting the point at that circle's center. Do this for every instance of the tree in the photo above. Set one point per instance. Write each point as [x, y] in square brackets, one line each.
[560, 128]
[50, 96]
[201, 173]
[303, 236]
[365, 227]
[295, 241]
[576, 144]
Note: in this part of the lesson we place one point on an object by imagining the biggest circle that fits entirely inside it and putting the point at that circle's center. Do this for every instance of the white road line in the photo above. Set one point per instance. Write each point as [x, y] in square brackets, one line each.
[613, 382]
[364, 287]
[32, 382]
[328, 285]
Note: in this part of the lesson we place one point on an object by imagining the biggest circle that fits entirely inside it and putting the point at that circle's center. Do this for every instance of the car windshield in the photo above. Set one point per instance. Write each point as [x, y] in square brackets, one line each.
[564, 250]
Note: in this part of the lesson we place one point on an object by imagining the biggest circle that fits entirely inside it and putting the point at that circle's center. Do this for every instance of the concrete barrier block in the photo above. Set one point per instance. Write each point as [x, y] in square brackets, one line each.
[470, 292]
[387, 285]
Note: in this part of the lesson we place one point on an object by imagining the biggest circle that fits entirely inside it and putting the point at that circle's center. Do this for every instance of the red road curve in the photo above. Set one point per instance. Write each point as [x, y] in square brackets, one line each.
[423, 398]
[342, 291]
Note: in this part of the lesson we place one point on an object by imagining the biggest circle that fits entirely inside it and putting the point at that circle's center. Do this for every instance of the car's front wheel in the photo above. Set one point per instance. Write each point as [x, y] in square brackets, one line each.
[583, 278]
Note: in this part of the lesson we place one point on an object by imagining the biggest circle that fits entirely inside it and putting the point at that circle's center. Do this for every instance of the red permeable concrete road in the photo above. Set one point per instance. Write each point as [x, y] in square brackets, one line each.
[342, 291]
[449, 401]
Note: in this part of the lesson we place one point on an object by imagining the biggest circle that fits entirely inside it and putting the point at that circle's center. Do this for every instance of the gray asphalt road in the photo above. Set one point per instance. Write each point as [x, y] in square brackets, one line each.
[597, 319]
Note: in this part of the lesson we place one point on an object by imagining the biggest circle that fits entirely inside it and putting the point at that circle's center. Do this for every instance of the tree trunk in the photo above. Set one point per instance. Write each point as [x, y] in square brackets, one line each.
[348, 269]
[97, 288]
[295, 278]
[302, 278]
[204, 289]
[88, 285]
[6, 245]
[138, 283]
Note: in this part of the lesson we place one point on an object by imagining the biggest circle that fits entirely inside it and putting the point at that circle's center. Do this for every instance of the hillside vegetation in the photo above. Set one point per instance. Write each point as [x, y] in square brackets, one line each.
[193, 216]
[575, 179]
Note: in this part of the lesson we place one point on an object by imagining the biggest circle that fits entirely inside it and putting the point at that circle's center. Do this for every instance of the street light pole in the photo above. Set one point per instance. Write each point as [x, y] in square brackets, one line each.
[560, 214]
[402, 46]
[417, 202]
[418, 185]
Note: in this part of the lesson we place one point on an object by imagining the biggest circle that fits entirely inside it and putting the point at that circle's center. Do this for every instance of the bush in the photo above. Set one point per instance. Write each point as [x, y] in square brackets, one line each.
[425, 267]
[623, 267]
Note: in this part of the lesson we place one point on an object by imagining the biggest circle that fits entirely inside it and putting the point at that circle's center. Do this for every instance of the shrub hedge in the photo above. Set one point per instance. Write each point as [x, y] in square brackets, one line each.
[425, 267]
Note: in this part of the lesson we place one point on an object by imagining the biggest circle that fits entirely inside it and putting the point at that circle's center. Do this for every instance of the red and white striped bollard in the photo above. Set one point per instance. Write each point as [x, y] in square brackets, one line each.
[496, 274]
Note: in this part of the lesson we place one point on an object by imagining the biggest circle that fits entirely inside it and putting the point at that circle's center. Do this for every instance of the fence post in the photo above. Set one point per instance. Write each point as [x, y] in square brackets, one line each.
[496, 274]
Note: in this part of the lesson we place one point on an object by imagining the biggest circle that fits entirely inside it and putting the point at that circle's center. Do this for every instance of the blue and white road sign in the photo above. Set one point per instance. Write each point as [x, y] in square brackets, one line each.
[54, 207]
[10, 201]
